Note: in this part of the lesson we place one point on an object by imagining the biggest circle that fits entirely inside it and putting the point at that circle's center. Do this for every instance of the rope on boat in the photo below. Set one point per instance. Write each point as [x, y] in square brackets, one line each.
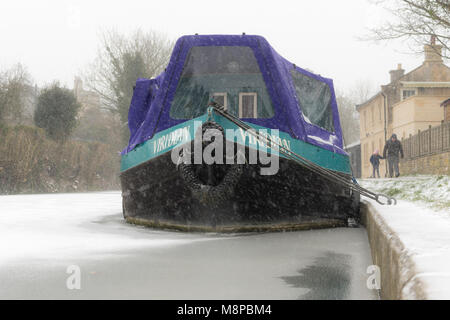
[326, 173]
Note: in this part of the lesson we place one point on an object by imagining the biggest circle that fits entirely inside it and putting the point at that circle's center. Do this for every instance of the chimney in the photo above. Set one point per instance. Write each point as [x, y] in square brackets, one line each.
[433, 51]
[77, 86]
[397, 74]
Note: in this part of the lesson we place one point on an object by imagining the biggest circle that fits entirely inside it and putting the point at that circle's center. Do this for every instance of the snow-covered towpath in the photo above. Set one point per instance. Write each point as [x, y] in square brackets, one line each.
[42, 235]
[421, 220]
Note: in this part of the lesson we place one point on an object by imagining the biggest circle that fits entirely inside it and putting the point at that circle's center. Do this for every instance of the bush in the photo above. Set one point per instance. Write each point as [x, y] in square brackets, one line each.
[56, 112]
[29, 163]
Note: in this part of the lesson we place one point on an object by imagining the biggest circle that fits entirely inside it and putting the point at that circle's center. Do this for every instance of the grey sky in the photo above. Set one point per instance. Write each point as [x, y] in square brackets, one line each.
[57, 39]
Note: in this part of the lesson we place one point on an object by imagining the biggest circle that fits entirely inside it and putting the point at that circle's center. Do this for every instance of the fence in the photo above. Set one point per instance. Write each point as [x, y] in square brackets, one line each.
[432, 141]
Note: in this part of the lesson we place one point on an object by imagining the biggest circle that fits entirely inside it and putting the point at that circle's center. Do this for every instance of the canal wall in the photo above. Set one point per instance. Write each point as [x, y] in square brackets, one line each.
[398, 270]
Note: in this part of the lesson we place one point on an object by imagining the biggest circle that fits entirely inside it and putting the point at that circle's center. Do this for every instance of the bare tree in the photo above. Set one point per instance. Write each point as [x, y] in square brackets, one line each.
[349, 118]
[416, 21]
[347, 100]
[120, 61]
[96, 125]
[361, 91]
[14, 85]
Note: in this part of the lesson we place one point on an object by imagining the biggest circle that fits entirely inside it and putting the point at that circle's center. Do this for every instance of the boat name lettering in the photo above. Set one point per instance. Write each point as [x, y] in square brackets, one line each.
[274, 137]
[171, 139]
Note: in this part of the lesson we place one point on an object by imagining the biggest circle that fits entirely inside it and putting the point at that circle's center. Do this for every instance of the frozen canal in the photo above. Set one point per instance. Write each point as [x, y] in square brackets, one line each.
[42, 235]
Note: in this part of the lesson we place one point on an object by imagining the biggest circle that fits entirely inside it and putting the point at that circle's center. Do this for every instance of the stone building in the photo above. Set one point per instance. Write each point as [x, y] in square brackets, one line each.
[408, 103]
[29, 104]
[354, 151]
[87, 99]
[28, 100]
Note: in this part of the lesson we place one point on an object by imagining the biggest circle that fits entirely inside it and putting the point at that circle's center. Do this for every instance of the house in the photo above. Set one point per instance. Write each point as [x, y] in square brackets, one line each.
[87, 99]
[30, 97]
[408, 103]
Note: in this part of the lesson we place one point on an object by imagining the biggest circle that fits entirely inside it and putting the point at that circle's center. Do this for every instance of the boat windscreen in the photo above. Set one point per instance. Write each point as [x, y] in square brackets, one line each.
[228, 74]
[315, 99]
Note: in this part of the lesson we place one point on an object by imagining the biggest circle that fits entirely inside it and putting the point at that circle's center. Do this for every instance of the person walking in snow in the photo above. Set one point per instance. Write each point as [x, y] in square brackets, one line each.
[375, 161]
[392, 149]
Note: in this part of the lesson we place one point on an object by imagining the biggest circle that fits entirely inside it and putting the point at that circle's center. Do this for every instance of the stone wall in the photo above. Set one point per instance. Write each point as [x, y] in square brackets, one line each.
[432, 164]
[397, 269]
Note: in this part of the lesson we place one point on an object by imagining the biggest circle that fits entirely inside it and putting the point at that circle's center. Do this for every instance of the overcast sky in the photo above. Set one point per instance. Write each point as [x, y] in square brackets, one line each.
[57, 39]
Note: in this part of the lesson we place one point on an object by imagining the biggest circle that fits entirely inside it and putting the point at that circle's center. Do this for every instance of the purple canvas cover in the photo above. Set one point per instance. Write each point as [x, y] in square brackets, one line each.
[151, 102]
[144, 94]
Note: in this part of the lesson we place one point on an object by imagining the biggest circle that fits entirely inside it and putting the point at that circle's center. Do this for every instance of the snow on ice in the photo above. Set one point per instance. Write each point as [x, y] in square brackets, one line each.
[31, 228]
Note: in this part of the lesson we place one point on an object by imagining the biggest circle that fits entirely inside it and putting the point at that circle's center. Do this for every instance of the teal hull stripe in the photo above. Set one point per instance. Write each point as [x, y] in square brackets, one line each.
[164, 141]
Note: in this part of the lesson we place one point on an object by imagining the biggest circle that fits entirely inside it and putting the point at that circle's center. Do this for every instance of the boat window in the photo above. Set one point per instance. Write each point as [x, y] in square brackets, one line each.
[220, 71]
[314, 97]
[248, 105]
[220, 98]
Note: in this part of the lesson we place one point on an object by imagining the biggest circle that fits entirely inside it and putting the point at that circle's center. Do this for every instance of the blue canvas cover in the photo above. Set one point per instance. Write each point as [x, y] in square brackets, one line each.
[293, 93]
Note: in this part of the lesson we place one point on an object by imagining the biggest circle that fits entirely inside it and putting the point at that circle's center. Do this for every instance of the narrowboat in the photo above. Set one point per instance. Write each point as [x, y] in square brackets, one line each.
[231, 87]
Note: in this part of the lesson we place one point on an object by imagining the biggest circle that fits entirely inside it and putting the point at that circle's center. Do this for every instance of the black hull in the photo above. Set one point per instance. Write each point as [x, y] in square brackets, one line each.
[156, 194]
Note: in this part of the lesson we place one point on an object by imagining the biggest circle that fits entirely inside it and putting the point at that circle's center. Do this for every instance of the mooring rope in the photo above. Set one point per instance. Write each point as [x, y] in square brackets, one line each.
[326, 173]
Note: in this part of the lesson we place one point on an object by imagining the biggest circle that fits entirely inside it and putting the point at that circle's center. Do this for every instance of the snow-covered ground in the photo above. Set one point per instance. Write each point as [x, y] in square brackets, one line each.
[41, 235]
[421, 219]
[425, 190]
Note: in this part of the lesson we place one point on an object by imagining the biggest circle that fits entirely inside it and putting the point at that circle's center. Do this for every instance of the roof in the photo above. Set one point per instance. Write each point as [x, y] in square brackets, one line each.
[426, 84]
[411, 84]
[351, 145]
[358, 106]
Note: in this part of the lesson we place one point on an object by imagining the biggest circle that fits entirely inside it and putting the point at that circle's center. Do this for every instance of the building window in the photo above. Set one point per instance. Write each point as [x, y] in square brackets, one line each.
[406, 93]
[220, 98]
[248, 105]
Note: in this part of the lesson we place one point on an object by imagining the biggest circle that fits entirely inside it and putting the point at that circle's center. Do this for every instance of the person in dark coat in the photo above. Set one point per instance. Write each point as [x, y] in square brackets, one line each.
[375, 161]
[392, 149]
